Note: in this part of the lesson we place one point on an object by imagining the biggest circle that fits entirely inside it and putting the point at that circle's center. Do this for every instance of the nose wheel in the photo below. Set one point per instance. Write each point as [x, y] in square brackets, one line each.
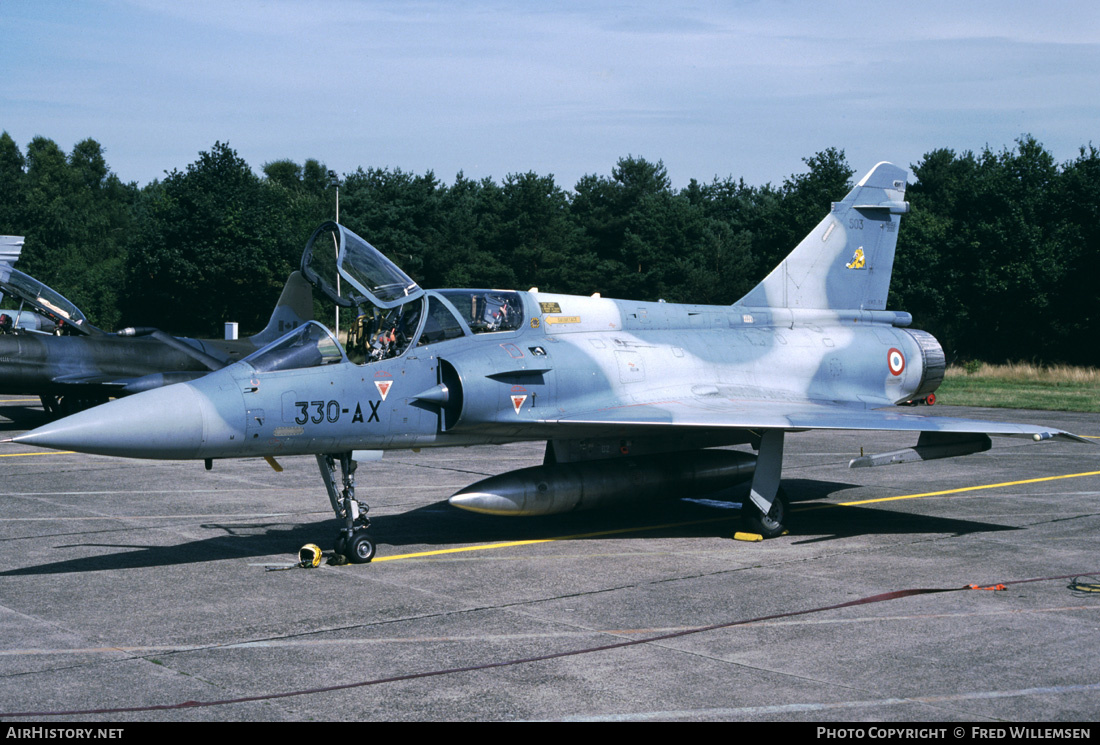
[359, 550]
[352, 541]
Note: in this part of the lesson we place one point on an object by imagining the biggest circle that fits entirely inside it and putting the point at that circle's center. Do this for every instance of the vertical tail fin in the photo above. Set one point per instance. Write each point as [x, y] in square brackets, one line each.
[294, 308]
[846, 261]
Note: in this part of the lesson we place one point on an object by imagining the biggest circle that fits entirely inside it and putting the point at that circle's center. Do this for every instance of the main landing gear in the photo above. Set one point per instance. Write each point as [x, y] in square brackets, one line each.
[765, 511]
[352, 541]
[770, 525]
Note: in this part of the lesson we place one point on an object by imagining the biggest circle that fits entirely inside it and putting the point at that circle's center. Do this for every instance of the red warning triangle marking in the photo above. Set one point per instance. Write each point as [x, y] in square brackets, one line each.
[383, 387]
[517, 402]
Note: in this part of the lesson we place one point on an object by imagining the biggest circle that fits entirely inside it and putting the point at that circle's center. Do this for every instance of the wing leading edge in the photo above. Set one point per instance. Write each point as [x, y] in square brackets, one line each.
[728, 414]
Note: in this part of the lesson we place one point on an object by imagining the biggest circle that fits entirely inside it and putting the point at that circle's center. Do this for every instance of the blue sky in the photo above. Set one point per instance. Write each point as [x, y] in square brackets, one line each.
[746, 89]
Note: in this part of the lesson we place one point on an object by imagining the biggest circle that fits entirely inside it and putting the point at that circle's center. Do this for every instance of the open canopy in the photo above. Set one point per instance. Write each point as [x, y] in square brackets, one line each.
[43, 299]
[351, 271]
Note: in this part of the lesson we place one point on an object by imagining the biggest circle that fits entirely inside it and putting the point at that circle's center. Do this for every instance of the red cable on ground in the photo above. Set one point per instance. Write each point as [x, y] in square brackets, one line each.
[573, 653]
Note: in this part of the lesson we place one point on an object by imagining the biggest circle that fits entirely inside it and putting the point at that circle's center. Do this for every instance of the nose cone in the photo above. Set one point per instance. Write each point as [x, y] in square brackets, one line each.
[165, 423]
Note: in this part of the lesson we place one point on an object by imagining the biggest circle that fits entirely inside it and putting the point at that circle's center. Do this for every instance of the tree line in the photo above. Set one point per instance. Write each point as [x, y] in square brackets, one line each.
[998, 258]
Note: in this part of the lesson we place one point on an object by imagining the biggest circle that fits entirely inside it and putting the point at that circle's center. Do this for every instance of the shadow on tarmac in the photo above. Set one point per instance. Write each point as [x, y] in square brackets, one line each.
[439, 524]
[21, 417]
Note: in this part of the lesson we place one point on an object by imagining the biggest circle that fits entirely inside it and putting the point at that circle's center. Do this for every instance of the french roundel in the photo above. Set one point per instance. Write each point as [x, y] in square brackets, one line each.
[896, 360]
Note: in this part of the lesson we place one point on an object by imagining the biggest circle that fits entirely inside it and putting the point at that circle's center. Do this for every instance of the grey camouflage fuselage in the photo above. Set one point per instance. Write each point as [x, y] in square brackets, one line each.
[617, 388]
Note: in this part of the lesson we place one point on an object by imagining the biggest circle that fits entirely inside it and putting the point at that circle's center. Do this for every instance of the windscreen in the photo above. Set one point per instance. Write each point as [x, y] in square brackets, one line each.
[309, 345]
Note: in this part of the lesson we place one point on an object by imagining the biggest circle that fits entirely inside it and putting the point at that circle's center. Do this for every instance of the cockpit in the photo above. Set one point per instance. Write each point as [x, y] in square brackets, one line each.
[487, 311]
[390, 313]
[309, 345]
[380, 334]
[37, 307]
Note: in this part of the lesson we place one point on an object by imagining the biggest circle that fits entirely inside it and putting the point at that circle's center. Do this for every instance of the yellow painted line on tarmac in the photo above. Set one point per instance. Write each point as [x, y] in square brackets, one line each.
[643, 529]
[947, 491]
[19, 401]
[973, 488]
[511, 544]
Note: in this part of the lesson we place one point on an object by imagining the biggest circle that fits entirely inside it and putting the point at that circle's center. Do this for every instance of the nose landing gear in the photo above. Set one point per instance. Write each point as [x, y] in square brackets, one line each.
[352, 541]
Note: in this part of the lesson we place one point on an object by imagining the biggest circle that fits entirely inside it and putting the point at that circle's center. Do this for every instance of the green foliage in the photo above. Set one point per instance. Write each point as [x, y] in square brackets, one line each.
[997, 259]
[285, 173]
[535, 237]
[77, 218]
[399, 213]
[806, 197]
[214, 246]
[645, 241]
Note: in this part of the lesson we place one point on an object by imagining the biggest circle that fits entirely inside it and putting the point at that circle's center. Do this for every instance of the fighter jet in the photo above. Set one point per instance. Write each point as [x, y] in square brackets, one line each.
[632, 398]
[49, 349]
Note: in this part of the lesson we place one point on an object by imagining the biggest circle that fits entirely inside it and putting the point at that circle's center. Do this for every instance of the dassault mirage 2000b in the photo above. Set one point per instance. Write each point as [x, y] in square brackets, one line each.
[608, 384]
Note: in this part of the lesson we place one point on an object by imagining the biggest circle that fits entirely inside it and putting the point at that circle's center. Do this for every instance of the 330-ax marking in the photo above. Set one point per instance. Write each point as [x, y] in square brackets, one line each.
[319, 411]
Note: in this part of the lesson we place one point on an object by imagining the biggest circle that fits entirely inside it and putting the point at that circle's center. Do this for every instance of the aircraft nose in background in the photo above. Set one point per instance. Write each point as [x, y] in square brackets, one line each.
[165, 423]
